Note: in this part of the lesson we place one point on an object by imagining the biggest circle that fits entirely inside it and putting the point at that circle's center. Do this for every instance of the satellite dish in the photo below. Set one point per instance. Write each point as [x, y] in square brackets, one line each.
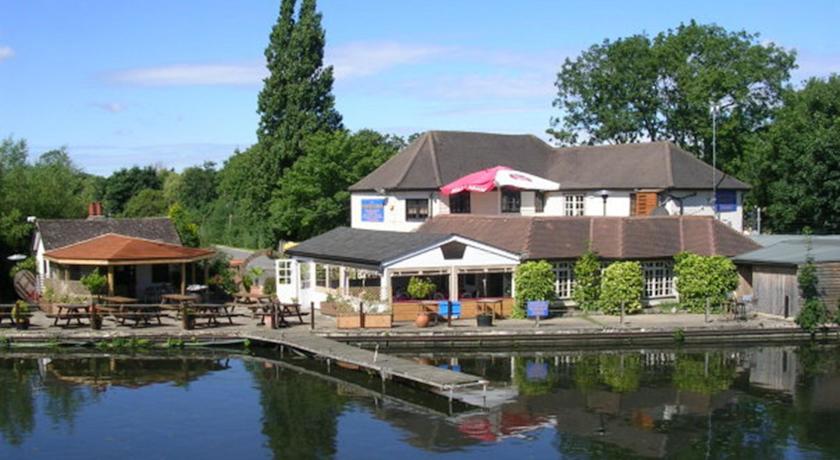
[16, 257]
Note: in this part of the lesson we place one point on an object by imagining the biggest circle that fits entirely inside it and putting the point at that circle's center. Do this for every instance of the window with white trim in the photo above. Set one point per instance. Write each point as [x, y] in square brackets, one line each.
[416, 209]
[303, 271]
[573, 205]
[284, 272]
[564, 279]
[320, 275]
[539, 201]
[659, 279]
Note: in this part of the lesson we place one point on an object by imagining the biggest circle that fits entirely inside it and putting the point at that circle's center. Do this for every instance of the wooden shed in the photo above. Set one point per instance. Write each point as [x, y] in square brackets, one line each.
[770, 274]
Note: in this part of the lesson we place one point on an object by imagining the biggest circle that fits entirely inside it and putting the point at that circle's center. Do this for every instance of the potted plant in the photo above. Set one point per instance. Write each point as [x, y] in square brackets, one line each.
[20, 315]
[95, 283]
[376, 315]
[421, 289]
[188, 319]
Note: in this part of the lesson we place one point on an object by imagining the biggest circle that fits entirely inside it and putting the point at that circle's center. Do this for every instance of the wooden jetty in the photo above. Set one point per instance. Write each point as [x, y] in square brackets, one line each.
[386, 366]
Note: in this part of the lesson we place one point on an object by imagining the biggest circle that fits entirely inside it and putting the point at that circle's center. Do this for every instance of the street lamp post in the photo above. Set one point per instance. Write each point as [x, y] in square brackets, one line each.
[604, 195]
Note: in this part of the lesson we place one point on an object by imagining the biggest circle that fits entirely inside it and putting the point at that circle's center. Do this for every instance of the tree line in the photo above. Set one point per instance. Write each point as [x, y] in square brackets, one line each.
[292, 183]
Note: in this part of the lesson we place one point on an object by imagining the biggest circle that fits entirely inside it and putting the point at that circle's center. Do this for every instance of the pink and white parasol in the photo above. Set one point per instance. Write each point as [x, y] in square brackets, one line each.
[498, 176]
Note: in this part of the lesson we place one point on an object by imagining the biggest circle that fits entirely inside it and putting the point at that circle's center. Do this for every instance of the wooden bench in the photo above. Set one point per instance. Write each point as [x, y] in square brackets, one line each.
[213, 312]
[138, 313]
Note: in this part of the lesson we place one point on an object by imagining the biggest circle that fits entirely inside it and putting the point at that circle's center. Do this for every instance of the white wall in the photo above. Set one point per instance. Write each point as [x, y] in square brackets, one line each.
[699, 203]
[394, 215]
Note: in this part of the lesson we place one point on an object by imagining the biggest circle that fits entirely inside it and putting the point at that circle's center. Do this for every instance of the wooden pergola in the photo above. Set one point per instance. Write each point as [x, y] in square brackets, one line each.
[113, 250]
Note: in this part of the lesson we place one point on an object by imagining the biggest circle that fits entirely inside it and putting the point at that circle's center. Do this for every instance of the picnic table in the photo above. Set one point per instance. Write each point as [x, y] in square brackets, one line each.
[489, 305]
[261, 305]
[124, 309]
[68, 312]
[6, 313]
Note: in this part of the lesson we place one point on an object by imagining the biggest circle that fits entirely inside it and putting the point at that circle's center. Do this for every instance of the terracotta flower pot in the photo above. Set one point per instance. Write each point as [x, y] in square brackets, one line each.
[422, 320]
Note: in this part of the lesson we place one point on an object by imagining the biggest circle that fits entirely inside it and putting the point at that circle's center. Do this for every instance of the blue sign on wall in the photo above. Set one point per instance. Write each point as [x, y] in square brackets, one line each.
[726, 201]
[537, 308]
[373, 210]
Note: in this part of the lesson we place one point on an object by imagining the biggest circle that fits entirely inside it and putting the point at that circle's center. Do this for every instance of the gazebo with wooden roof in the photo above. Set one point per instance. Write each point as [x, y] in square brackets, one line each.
[111, 250]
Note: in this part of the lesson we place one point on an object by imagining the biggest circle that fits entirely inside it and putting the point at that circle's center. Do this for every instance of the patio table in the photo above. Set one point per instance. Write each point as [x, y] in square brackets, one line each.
[69, 312]
[488, 305]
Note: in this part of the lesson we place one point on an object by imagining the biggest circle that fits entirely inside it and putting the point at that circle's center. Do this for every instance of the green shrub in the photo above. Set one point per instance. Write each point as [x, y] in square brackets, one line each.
[94, 282]
[587, 281]
[25, 264]
[270, 286]
[534, 280]
[814, 313]
[420, 288]
[622, 282]
[704, 277]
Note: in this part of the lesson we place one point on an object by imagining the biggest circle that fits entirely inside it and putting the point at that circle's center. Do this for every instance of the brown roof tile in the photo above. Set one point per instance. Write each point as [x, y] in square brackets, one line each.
[439, 157]
[612, 237]
[120, 248]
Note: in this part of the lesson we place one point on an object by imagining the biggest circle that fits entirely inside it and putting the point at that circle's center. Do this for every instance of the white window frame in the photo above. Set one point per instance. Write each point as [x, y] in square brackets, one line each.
[303, 273]
[284, 272]
[659, 279]
[564, 279]
[573, 204]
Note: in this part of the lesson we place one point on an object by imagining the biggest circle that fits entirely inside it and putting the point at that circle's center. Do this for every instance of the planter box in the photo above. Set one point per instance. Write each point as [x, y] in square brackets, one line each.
[329, 308]
[372, 321]
[378, 321]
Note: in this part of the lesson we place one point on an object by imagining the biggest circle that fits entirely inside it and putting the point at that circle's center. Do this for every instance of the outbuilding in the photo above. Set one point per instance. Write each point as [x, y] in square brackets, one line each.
[770, 274]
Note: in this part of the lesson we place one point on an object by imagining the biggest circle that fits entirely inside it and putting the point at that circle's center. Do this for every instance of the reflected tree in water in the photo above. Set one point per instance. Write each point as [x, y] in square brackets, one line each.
[622, 373]
[708, 373]
[17, 399]
[300, 413]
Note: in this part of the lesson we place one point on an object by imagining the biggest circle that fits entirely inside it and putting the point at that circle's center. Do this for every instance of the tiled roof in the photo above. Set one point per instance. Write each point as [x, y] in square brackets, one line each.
[57, 233]
[794, 251]
[120, 248]
[439, 157]
[364, 247]
[612, 237]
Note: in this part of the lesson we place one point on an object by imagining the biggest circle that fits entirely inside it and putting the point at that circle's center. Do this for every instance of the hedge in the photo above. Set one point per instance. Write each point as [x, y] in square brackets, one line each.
[622, 282]
[587, 281]
[704, 277]
[534, 281]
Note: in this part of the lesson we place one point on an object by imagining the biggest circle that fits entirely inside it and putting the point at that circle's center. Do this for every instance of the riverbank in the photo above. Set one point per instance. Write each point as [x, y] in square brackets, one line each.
[596, 330]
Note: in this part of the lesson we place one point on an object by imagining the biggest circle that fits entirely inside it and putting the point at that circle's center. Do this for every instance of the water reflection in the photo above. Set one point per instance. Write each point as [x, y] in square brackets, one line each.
[766, 402]
[65, 383]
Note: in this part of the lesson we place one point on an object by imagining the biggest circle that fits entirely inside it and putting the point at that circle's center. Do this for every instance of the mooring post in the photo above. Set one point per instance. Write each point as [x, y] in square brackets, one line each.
[622, 313]
[448, 313]
[707, 310]
[362, 315]
[376, 353]
[311, 316]
[484, 393]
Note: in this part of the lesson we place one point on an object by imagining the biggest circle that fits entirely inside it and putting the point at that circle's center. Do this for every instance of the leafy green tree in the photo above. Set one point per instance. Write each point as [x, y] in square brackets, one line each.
[313, 196]
[587, 289]
[534, 281]
[638, 88]
[185, 224]
[127, 182]
[198, 186]
[146, 203]
[622, 283]
[796, 174]
[229, 220]
[296, 101]
[701, 278]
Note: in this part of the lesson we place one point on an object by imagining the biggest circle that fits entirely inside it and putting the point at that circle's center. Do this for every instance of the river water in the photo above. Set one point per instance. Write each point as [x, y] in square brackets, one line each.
[724, 402]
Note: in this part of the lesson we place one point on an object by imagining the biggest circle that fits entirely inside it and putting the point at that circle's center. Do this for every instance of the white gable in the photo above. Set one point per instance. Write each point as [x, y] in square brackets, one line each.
[455, 252]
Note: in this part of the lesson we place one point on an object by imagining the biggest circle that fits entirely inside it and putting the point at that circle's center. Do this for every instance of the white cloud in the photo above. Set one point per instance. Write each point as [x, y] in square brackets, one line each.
[112, 107]
[361, 59]
[482, 86]
[815, 65]
[6, 52]
[192, 75]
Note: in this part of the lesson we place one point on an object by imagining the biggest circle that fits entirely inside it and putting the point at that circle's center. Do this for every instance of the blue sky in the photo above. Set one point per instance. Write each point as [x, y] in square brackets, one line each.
[175, 83]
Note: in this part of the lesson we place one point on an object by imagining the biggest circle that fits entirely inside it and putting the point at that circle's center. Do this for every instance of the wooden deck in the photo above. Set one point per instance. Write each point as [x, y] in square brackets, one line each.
[387, 366]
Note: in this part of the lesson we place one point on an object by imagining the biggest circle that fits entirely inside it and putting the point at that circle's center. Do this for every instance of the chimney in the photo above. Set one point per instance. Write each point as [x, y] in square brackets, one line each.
[95, 210]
